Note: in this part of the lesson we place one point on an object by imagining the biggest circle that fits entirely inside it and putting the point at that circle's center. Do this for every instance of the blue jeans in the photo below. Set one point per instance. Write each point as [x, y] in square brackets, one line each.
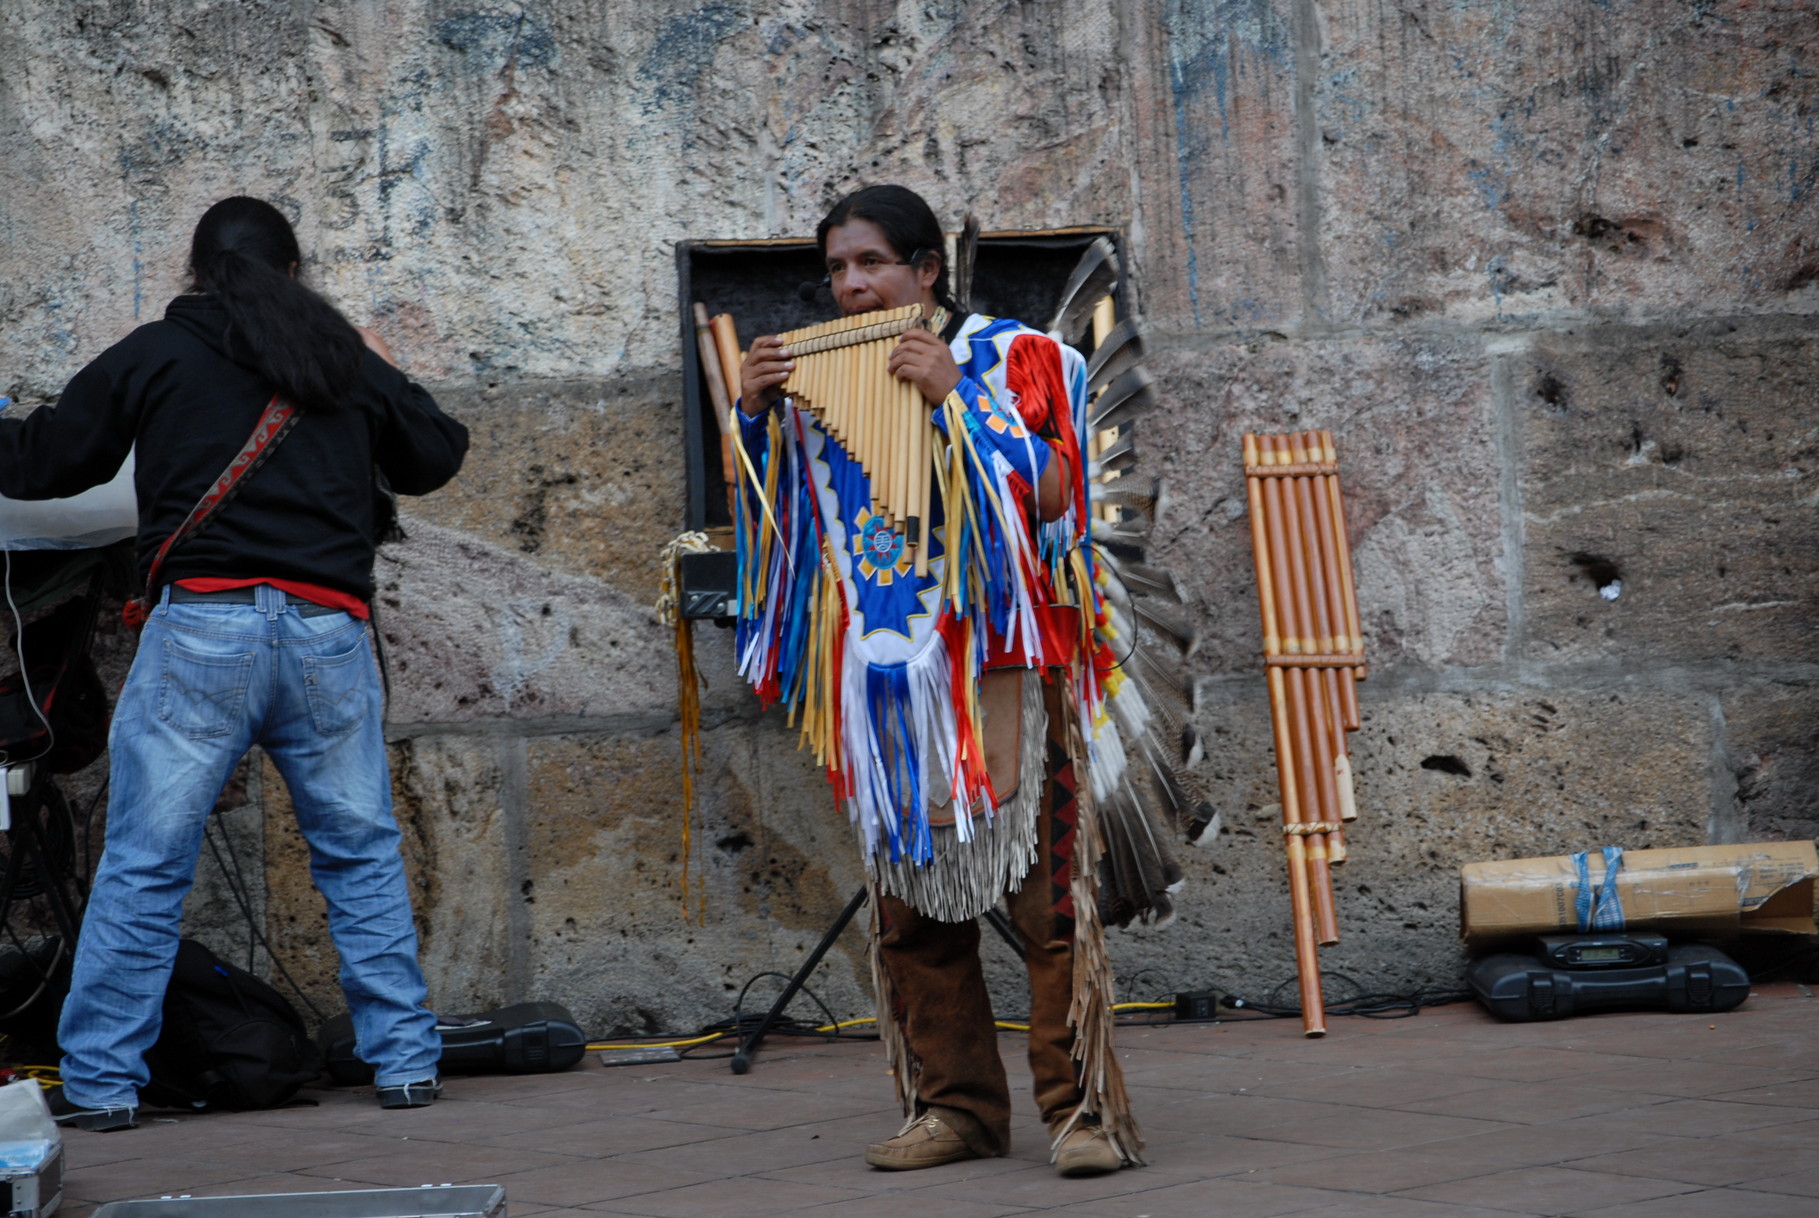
[209, 681]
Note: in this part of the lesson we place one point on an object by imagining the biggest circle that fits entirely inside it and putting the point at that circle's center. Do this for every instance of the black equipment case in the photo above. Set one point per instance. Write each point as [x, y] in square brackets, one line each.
[528, 1038]
[1692, 977]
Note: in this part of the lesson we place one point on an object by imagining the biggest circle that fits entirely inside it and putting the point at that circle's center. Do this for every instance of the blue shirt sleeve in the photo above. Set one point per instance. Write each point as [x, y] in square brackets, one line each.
[995, 430]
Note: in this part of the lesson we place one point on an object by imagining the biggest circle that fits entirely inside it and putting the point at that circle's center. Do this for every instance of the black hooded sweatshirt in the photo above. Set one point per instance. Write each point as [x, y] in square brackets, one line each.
[176, 389]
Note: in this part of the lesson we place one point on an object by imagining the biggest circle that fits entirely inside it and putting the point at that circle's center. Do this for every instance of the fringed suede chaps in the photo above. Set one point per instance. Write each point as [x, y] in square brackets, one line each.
[939, 1004]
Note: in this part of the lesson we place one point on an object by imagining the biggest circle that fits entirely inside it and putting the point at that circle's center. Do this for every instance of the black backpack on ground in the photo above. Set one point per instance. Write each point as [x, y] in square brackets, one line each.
[229, 1040]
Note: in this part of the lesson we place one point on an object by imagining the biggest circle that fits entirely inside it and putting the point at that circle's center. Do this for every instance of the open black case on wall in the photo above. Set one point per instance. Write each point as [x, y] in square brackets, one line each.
[1016, 274]
[772, 286]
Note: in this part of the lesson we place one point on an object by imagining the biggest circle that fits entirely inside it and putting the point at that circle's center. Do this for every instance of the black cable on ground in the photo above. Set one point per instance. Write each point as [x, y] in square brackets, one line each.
[1360, 1003]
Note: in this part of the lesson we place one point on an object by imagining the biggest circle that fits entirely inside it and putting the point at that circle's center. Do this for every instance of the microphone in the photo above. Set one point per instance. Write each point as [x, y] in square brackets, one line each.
[809, 290]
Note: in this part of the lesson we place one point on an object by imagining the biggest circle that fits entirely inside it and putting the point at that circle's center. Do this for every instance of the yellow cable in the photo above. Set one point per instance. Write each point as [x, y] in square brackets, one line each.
[663, 1044]
[826, 1027]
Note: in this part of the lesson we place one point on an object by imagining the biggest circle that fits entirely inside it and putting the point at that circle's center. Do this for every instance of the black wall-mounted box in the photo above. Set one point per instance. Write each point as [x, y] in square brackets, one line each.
[1016, 274]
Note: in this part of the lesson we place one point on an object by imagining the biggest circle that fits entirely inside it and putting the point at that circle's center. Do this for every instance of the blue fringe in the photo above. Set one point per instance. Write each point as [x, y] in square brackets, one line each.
[887, 695]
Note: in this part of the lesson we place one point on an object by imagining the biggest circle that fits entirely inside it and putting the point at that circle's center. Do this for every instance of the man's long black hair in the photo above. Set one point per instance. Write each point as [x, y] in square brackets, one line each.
[908, 223]
[243, 255]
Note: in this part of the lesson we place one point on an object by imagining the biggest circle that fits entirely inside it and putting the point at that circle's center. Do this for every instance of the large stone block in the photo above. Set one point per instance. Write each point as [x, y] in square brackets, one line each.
[473, 630]
[1681, 465]
[1500, 160]
[586, 478]
[1419, 453]
[1768, 737]
[1218, 209]
[609, 929]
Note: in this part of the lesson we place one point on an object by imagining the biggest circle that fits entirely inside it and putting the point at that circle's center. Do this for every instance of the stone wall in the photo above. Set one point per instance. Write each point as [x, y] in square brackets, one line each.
[1548, 270]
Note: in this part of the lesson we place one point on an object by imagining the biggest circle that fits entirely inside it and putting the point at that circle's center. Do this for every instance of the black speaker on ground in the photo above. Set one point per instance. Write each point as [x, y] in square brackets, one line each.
[1691, 978]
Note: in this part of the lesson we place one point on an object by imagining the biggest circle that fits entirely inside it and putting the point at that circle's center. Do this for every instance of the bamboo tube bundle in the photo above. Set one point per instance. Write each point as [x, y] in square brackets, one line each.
[841, 376]
[1313, 655]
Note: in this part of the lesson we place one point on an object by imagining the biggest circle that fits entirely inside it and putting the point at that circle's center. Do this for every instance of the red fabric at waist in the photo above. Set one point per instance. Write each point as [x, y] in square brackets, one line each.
[1057, 626]
[315, 594]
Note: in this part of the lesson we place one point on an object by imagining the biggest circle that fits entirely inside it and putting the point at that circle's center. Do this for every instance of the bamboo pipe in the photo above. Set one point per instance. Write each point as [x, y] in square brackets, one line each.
[1349, 593]
[1289, 600]
[876, 427]
[1307, 959]
[878, 415]
[1327, 767]
[717, 397]
[833, 377]
[892, 454]
[852, 408]
[814, 373]
[837, 408]
[865, 422]
[1301, 878]
[1291, 589]
[902, 415]
[726, 341]
[805, 381]
[866, 388]
[920, 473]
[871, 388]
[1260, 551]
[1302, 507]
[884, 426]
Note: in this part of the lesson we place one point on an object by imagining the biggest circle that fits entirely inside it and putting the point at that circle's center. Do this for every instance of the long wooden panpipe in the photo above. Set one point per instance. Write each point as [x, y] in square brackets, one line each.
[1313, 658]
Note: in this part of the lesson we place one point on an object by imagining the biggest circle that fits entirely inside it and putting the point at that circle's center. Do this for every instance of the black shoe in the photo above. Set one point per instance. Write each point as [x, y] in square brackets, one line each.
[64, 1111]
[411, 1095]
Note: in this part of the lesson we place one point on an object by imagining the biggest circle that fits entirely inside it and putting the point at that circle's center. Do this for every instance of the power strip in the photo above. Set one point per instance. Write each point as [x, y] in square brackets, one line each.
[1201, 1004]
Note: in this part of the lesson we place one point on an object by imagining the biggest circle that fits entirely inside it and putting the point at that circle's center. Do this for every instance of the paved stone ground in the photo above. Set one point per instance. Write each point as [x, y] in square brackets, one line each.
[1447, 1114]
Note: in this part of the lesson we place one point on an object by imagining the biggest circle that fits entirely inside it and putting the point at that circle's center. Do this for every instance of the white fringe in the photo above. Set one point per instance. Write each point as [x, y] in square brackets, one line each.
[967, 877]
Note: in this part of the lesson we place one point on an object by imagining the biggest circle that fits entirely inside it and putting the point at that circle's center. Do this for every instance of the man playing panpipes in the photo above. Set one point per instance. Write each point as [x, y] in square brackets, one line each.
[956, 710]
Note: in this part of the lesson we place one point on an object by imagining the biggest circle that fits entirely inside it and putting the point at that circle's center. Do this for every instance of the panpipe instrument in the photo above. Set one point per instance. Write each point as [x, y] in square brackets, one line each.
[841, 376]
[1313, 656]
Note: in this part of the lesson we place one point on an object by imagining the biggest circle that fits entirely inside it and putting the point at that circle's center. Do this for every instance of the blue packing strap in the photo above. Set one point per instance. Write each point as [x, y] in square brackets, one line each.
[1601, 909]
